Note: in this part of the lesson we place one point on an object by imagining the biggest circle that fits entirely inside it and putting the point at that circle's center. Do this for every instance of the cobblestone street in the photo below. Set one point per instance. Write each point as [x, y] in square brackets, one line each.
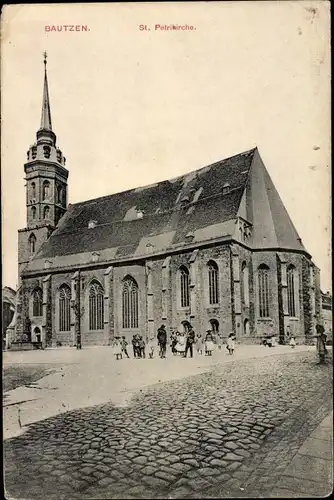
[229, 432]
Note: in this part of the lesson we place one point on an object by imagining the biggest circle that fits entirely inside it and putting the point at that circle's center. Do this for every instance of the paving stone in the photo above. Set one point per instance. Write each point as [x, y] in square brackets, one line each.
[164, 475]
[155, 482]
[233, 466]
[141, 460]
[181, 492]
[173, 458]
[218, 463]
[232, 456]
[207, 471]
[192, 462]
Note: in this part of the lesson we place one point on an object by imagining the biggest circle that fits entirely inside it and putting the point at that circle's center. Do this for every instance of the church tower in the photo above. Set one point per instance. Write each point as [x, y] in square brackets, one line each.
[46, 185]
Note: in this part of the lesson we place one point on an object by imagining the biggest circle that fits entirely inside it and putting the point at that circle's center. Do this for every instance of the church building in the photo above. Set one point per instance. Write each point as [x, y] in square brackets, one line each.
[215, 248]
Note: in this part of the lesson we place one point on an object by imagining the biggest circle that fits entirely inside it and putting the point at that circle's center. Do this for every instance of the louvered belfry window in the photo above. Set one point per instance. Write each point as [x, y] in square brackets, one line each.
[96, 306]
[184, 286]
[291, 290]
[130, 303]
[213, 283]
[263, 275]
[65, 309]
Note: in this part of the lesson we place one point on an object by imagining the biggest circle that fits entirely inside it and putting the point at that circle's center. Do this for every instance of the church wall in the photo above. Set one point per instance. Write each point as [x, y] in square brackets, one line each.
[223, 311]
[24, 256]
[247, 306]
[161, 313]
[28, 286]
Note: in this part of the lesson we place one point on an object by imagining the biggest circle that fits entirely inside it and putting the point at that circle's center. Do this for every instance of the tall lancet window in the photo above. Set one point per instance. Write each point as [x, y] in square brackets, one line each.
[130, 303]
[33, 190]
[33, 212]
[96, 306]
[64, 308]
[245, 284]
[184, 286]
[46, 190]
[263, 277]
[37, 302]
[291, 290]
[46, 212]
[32, 244]
[213, 283]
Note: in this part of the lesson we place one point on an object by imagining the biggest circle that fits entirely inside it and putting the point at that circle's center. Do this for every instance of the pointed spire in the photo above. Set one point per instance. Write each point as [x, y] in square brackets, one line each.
[46, 123]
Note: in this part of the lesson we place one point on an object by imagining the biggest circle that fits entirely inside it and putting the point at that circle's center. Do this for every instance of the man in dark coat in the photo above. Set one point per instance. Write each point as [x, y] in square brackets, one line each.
[190, 342]
[162, 340]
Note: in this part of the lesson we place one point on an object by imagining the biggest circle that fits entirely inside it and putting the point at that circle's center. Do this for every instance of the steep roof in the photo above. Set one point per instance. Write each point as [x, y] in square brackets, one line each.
[272, 226]
[200, 206]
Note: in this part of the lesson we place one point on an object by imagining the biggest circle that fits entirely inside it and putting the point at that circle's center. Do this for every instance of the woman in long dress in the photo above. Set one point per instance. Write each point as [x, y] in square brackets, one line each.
[181, 344]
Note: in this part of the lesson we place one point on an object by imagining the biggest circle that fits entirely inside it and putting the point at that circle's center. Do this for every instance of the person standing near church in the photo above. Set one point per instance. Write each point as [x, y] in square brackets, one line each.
[231, 343]
[142, 345]
[162, 341]
[135, 346]
[199, 343]
[124, 346]
[190, 342]
[209, 345]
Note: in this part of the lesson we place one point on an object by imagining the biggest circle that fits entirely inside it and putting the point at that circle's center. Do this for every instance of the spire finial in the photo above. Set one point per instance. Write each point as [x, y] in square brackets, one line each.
[46, 112]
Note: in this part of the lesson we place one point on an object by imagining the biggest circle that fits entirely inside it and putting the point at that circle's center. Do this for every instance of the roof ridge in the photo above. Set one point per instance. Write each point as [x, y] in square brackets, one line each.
[94, 200]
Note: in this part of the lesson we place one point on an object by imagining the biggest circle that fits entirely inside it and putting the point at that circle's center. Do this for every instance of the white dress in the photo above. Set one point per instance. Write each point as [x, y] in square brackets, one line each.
[230, 343]
[181, 343]
[117, 348]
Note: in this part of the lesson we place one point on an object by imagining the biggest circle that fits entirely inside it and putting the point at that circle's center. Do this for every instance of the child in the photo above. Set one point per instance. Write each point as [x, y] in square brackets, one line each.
[124, 346]
[209, 345]
[230, 343]
[292, 342]
[117, 348]
[150, 347]
[199, 343]
[142, 347]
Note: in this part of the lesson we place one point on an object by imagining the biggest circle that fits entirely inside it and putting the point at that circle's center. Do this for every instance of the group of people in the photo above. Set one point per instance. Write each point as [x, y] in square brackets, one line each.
[182, 344]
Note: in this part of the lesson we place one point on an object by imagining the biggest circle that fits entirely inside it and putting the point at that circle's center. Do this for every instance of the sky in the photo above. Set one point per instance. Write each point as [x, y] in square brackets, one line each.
[131, 107]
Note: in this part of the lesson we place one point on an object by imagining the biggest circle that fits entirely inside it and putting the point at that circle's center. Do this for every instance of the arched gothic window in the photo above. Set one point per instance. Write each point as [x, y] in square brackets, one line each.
[46, 190]
[245, 284]
[213, 283]
[96, 306]
[33, 212]
[33, 190]
[130, 303]
[263, 275]
[37, 302]
[184, 287]
[46, 212]
[64, 308]
[214, 325]
[291, 290]
[32, 244]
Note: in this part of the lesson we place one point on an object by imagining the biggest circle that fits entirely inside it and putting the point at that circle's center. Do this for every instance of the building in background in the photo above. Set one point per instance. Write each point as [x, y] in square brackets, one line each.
[8, 309]
[326, 310]
[215, 248]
